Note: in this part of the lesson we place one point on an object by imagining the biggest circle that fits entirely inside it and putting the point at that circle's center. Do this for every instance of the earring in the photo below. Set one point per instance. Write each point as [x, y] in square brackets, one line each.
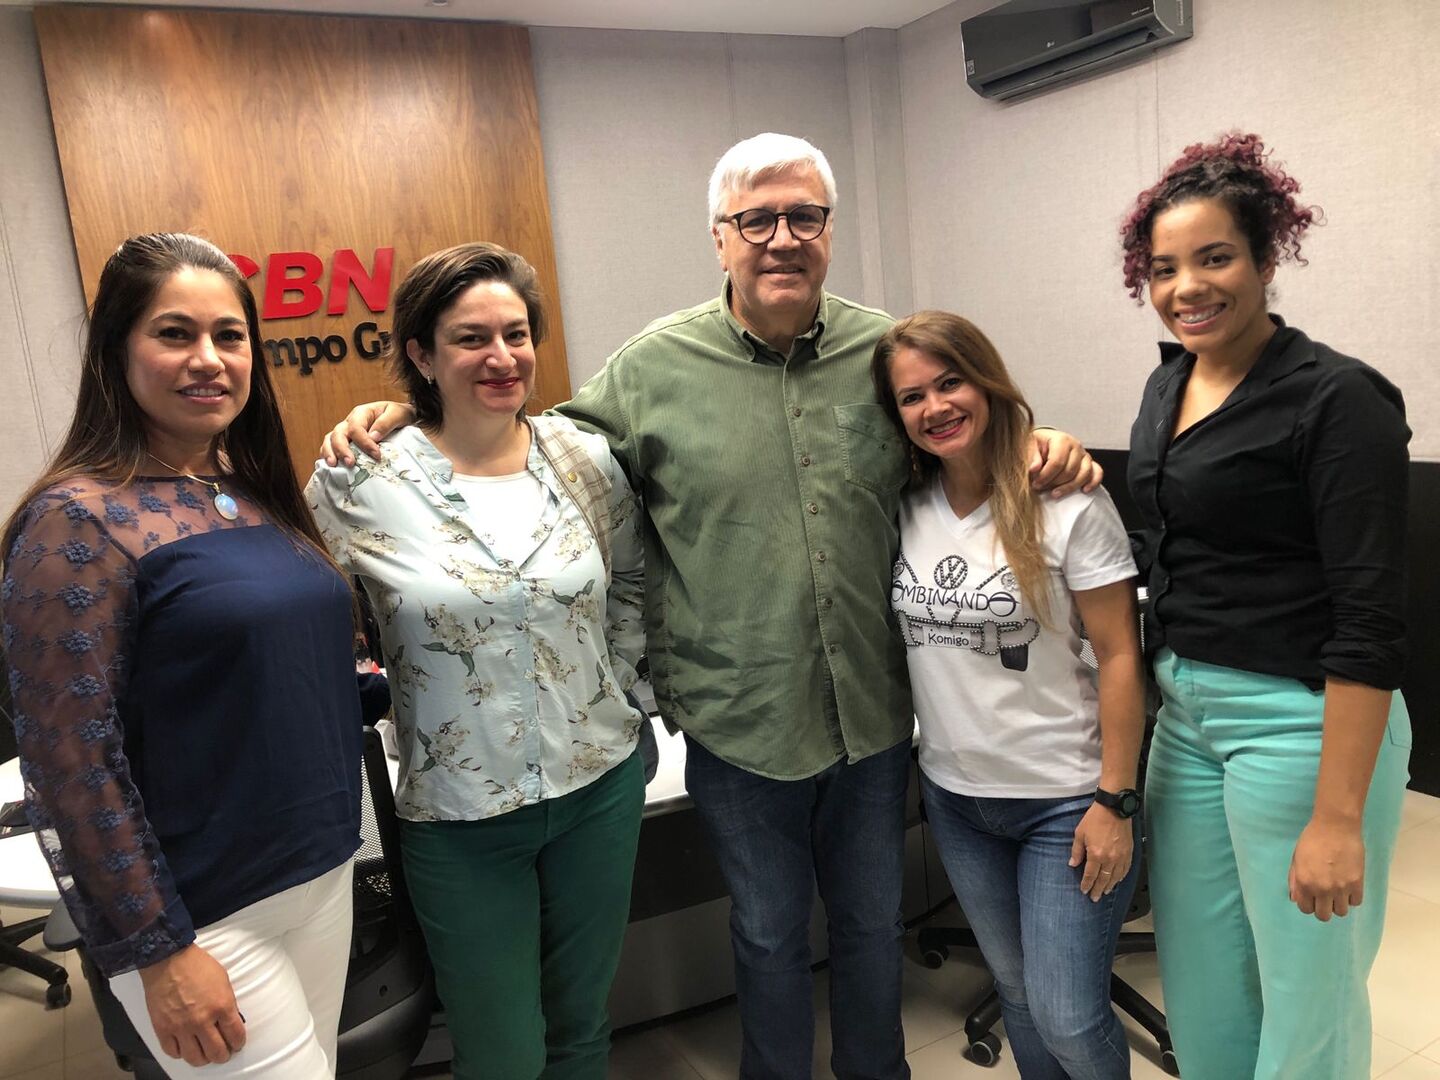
[429, 377]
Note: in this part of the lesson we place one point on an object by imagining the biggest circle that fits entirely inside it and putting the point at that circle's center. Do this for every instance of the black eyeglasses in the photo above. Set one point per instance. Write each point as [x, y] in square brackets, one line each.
[758, 226]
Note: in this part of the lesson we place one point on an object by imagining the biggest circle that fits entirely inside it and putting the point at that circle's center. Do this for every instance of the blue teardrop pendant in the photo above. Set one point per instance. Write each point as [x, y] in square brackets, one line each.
[225, 506]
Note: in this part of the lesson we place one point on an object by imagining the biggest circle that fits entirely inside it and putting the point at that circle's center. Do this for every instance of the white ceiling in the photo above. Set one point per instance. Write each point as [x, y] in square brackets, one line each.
[824, 18]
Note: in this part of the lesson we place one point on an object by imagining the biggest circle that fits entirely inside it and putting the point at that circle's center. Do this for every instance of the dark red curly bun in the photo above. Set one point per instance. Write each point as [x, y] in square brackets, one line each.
[1235, 170]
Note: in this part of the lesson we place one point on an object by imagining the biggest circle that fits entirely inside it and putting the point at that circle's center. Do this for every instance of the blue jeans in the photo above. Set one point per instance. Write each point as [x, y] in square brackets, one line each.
[1048, 945]
[776, 840]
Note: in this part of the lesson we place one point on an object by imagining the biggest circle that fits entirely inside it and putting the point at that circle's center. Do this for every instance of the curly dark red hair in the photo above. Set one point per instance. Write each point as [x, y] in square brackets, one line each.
[1235, 170]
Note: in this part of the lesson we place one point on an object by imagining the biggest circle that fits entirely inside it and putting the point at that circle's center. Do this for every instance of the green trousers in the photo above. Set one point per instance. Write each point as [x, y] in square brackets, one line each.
[1253, 988]
[523, 916]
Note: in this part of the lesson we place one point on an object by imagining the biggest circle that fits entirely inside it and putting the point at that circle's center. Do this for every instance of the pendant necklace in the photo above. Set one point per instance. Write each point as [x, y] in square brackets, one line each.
[225, 506]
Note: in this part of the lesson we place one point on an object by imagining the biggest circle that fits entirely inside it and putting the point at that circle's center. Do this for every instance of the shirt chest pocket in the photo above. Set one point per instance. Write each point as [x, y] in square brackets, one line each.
[873, 451]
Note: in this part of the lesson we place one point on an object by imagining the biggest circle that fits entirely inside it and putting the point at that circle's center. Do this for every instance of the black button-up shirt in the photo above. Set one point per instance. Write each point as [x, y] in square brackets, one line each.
[1275, 526]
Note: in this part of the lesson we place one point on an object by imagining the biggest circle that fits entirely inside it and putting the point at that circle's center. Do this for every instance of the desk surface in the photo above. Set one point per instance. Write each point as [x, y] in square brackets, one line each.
[25, 879]
[666, 793]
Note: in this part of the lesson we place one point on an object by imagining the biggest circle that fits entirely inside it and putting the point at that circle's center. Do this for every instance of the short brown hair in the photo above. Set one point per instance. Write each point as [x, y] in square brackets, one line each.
[430, 288]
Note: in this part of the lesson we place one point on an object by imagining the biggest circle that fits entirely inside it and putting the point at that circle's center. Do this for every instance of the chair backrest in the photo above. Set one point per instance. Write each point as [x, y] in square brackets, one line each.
[389, 989]
[7, 723]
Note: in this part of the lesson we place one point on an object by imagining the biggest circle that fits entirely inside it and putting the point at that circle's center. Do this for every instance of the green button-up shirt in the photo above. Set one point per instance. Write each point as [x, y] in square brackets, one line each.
[771, 485]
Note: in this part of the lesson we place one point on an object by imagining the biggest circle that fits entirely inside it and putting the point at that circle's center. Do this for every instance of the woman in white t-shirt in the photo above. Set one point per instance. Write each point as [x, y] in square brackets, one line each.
[1028, 766]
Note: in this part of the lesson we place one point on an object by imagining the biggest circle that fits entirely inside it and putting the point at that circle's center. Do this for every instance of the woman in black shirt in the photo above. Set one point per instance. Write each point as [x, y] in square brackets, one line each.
[1271, 473]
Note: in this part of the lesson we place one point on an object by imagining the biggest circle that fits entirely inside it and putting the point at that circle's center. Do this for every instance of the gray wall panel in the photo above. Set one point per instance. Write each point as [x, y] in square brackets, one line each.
[41, 303]
[872, 65]
[1346, 96]
[1013, 212]
[797, 86]
[632, 123]
[1015, 207]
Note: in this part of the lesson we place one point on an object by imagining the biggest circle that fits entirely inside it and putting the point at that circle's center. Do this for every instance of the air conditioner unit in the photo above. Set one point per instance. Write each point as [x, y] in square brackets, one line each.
[1023, 45]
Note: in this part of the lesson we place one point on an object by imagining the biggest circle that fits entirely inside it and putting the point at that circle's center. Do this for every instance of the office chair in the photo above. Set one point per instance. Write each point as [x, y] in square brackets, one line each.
[389, 987]
[57, 993]
[13, 937]
[935, 942]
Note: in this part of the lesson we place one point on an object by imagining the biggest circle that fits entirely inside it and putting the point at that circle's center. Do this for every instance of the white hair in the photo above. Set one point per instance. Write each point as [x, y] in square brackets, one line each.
[754, 160]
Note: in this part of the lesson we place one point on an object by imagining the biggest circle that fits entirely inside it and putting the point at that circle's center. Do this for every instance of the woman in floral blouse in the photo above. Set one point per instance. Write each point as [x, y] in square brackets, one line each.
[510, 644]
[180, 651]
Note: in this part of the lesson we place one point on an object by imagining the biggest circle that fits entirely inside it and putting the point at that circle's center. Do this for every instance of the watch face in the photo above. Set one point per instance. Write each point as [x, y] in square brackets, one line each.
[1126, 803]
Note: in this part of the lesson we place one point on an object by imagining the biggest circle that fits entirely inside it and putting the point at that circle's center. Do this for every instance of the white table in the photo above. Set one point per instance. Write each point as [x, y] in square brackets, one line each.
[25, 879]
[666, 792]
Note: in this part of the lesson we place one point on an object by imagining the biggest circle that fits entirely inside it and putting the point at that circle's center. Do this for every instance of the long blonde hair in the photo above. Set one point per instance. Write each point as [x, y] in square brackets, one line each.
[959, 344]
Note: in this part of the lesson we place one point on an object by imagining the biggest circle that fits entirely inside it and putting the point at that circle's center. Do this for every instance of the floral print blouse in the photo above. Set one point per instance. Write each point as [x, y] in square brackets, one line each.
[508, 677]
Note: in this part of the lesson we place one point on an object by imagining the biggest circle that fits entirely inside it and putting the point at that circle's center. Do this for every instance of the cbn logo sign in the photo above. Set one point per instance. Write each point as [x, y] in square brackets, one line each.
[293, 290]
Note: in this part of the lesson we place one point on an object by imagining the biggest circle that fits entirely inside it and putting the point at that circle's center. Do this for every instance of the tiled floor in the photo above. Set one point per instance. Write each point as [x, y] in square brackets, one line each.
[66, 1044]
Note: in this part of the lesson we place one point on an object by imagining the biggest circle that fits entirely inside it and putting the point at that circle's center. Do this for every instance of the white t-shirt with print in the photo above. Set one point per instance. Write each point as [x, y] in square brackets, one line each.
[1007, 708]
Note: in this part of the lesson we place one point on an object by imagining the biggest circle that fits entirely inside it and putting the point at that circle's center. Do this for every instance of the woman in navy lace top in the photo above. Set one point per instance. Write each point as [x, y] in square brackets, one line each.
[180, 655]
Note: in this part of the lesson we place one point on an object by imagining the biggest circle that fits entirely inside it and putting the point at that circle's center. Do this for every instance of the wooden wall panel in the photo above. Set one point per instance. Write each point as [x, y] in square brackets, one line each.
[272, 133]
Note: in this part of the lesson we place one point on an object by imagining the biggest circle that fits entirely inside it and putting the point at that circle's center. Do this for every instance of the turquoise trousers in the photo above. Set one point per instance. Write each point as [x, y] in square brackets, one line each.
[1253, 988]
[524, 914]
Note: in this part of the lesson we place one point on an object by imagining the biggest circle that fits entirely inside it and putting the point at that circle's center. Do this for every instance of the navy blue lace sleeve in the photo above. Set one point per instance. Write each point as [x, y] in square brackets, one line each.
[69, 603]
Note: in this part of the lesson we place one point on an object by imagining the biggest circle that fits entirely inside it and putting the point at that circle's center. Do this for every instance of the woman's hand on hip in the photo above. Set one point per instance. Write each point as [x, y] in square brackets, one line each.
[192, 1007]
[1327, 871]
[1104, 843]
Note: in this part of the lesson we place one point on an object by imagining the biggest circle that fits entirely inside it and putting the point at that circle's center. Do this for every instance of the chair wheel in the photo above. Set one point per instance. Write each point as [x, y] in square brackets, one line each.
[985, 1051]
[934, 956]
[57, 995]
[1169, 1062]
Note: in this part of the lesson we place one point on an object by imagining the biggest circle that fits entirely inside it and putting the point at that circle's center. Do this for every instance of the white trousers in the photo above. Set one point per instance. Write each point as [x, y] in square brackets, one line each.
[286, 957]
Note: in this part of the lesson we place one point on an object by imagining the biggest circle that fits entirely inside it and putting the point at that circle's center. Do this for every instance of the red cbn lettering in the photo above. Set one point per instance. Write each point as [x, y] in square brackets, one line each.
[278, 284]
[247, 266]
[374, 287]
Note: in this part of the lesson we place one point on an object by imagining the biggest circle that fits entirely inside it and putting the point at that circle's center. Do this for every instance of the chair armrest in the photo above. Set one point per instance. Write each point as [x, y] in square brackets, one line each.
[60, 932]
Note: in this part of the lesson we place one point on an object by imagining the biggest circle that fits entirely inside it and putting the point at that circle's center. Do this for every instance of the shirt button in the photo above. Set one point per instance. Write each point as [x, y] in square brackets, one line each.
[827, 603]
[834, 649]
[795, 411]
[805, 460]
[812, 508]
[819, 556]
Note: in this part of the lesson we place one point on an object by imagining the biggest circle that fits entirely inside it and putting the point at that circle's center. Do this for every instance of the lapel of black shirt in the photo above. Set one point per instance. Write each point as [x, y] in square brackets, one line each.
[1287, 350]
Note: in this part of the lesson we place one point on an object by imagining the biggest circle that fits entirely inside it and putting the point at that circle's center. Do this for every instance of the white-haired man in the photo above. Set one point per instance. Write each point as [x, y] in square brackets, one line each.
[770, 479]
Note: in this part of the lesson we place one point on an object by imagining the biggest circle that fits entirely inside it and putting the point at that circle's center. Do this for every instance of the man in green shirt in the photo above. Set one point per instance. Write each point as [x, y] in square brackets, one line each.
[770, 478]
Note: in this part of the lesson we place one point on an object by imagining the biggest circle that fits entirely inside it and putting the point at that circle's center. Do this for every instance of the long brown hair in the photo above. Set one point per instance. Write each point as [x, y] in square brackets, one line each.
[960, 345]
[106, 439]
